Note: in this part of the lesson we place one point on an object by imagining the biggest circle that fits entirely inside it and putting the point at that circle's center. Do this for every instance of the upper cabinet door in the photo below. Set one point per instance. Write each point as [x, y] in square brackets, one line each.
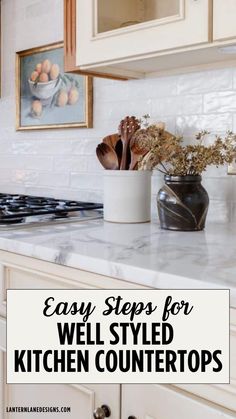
[111, 31]
[224, 16]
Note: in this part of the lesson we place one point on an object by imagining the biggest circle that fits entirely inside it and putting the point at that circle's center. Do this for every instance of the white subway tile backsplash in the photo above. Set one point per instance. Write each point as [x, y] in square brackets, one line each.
[220, 102]
[170, 121]
[21, 147]
[85, 147]
[36, 15]
[233, 212]
[234, 78]
[234, 123]
[27, 161]
[5, 175]
[189, 125]
[63, 163]
[86, 181]
[157, 182]
[233, 190]
[118, 108]
[220, 172]
[53, 179]
[39, 163]
[14, 188]
[219, 188]
[177, 105]
[206, 81]
[152, 88]
[220, 211]
[66, 164]
[93, 165]
[25, 177]
[107, 92]
[49, 147]
[5, 147]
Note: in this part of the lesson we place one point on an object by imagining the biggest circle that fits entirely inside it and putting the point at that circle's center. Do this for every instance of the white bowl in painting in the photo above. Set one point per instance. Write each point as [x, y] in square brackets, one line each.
[44, 90]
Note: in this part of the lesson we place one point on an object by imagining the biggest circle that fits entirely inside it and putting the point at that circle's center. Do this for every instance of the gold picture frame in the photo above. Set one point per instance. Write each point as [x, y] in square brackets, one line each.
[54, 99]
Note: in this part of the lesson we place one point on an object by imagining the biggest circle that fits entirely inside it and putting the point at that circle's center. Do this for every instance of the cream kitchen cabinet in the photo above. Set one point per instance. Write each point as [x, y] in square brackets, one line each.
[224, 13]
[73, 401]
[124, 401]
[21, 272]
[142, 38]
[99, 34]
[223, 394]
[164, 402]
[112, 31]
[2, 359]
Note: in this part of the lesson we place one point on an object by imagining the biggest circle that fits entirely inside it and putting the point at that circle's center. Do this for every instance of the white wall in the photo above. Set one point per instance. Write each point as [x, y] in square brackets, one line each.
[62, 162]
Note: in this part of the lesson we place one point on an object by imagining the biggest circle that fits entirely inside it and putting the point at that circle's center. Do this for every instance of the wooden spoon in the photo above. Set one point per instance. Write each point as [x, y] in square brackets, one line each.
[115, 142]
[111, 140]
[128, 126]
[137, 149]
[107, 157]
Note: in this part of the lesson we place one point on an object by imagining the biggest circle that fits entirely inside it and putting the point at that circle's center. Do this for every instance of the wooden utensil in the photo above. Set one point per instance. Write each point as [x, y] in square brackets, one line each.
[111, 140]
[119, 150]
[128, 126]
[107, 157]
[137, 149]
[115, 142]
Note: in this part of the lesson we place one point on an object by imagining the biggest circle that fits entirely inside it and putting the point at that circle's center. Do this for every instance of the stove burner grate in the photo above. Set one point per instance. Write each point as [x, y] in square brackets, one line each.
[15, 209]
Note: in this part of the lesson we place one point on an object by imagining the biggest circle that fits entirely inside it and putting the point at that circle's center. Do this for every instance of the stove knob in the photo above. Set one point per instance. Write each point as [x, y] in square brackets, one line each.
[102, 412]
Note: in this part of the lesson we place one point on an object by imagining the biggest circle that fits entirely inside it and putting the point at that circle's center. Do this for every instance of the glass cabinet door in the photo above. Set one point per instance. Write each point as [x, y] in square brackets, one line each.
[113, 14]
[111, 31]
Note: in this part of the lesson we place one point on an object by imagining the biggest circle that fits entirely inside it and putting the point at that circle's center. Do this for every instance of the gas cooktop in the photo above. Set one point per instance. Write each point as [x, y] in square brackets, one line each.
[26, 210]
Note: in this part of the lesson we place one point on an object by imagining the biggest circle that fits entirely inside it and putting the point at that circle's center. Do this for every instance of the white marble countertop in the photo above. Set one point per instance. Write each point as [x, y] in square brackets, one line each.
[139, 253]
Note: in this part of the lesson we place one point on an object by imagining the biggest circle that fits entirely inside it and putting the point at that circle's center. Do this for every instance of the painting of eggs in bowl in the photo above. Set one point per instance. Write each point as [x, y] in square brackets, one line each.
[52, 88]
[47, 97]
[45, 81]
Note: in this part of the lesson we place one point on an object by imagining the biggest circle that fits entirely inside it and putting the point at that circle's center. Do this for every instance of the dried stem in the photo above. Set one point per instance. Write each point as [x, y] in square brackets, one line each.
[165, 148]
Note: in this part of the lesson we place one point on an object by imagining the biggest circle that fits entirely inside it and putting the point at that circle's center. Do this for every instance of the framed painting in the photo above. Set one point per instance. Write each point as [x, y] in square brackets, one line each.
[46, 97]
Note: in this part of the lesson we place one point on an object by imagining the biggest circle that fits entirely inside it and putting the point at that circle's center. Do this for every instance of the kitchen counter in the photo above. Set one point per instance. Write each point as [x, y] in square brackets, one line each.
[139, 253]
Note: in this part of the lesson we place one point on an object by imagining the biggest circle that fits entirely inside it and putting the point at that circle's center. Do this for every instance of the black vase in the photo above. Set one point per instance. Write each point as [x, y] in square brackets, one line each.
[182, 203]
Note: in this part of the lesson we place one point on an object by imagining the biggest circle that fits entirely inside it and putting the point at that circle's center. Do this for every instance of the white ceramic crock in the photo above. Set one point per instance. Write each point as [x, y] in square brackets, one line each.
[127, 196]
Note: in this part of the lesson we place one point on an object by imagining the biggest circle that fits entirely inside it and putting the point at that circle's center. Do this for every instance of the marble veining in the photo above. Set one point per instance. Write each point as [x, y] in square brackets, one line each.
[139, 253]
[62, 163]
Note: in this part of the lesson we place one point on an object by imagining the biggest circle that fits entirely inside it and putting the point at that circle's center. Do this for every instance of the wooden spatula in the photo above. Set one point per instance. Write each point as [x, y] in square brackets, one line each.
[126, 129]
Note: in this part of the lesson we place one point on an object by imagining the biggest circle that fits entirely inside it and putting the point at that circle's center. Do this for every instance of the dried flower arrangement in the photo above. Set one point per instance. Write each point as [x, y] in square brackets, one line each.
[169, 155]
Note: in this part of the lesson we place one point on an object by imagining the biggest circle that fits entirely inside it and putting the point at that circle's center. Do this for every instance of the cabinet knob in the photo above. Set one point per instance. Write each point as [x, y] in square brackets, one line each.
[132, 417]
[102, 412]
